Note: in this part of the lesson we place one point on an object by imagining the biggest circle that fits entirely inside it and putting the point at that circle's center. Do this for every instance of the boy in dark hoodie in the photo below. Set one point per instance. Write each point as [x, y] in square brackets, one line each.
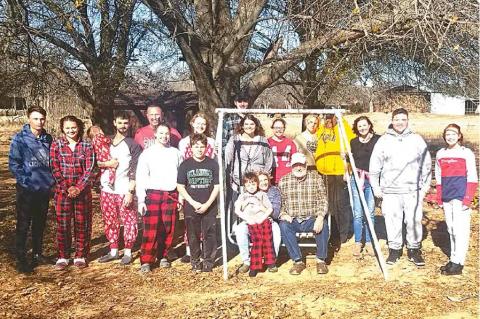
[29, 162]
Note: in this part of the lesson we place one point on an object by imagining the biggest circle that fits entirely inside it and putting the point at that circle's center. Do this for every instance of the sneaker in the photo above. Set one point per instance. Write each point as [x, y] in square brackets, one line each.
[107, 258]
[321, 267]
[369, 249]
[252, 273]
[297, 268]
[145, 269]
[197, 268]
[243, 269]
[164, 263]
[185, 259]
[415, 256]
[454, 269]
[357, 250]
[61, 264]
[393, 256]
[80, 263]
[446, 266]
[23, 267]
[126, 259]
[272, 268]
[39, 259]
[207, 268]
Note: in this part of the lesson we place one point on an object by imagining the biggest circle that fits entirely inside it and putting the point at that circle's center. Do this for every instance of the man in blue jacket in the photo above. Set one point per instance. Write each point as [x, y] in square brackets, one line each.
[29, 160]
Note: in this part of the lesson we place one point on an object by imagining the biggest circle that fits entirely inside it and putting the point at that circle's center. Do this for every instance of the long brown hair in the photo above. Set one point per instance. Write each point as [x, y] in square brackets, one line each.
[258, 126]
[457, 127]
[72, 118]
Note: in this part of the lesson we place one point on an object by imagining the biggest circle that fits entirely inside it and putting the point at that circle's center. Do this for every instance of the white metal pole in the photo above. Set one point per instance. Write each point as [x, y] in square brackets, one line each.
[221, 202]
[371, 227]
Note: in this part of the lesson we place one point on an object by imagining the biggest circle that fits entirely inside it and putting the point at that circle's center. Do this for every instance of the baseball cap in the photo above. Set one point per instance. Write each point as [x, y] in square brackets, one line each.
[298, 158]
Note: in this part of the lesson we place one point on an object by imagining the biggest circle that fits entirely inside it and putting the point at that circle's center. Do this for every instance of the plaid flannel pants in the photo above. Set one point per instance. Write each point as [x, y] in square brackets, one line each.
[158, 224]
[80, 210]
[262, 245]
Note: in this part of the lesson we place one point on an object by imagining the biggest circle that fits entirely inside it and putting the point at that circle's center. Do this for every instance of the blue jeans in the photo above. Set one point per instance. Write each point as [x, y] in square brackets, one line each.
[358, 216]
[289, 237]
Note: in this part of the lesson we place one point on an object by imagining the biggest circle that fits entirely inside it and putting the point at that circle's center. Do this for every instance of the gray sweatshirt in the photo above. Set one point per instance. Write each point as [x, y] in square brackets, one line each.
[400, 164]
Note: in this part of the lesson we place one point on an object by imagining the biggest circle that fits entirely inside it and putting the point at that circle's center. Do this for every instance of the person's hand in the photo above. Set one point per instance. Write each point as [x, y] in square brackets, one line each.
[286, 218]
[142, 209]
[378, 193]
[113, 163]
[202, 209]
[196, 205]
[318, 225]
[127, 200]
[73, 191]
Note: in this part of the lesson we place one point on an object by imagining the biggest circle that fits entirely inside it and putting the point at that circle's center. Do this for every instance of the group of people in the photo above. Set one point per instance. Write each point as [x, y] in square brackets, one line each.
[276, 187]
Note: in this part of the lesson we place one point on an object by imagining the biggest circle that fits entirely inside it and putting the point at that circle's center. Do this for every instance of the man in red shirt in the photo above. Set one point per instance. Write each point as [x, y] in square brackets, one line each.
[145, 136]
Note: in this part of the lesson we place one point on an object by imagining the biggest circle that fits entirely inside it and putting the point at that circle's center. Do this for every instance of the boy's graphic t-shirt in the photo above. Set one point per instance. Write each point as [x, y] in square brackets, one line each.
[199, 178]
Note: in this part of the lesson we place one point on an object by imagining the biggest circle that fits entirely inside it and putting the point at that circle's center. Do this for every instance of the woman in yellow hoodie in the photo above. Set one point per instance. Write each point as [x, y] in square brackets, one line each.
[330, 163]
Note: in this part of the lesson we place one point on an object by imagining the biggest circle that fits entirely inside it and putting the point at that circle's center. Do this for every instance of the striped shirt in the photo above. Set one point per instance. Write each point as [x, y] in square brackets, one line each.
[303, 198]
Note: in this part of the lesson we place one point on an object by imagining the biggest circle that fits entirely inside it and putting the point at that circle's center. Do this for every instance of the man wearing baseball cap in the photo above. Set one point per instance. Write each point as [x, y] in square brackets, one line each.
[304, 208]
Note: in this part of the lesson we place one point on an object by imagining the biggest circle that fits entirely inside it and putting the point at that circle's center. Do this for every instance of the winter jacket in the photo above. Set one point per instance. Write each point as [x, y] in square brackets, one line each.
[400, 164]
[29, 160]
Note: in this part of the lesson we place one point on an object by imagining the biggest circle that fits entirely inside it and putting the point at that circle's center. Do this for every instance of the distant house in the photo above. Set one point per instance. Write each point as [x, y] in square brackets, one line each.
[452, 105]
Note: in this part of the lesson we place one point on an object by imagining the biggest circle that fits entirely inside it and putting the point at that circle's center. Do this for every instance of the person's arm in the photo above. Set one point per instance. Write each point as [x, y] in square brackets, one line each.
[56, 166]
[15, 162]
[375, 168]
[322, 205]
[276, 200]
[266, 209]
[89, 164]
[269, 161]
[229, 150]
[141, 177]
[438, 179]
[284, 200]
[472, 177]
[186, 196]
[426, 169]
[213, 195]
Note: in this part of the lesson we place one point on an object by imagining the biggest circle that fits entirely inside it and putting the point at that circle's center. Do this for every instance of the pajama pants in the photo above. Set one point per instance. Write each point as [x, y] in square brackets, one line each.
[114, 215]
[262, 245]
[80, 210]
[458, 225]
[32, 209]
[199, 225]
[403, 208]
[158, 224]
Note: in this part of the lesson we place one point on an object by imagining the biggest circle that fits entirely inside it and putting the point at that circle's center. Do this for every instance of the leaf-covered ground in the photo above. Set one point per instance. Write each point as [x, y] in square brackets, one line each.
[352, 288]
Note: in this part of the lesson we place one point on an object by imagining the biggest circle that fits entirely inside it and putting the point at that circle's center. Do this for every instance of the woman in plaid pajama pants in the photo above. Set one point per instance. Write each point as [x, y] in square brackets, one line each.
[72, 160]
[157, 198]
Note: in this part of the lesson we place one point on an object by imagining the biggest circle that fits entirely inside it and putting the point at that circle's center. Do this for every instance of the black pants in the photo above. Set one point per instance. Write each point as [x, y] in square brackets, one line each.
[202, 226]
[32, 209]
[339, 208]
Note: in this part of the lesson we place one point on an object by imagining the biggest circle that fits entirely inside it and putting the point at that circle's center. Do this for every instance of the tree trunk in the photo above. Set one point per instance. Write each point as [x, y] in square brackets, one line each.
[103, 116]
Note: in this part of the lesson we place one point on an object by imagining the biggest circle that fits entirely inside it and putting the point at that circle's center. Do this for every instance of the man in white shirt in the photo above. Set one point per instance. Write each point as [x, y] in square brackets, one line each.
[157, 197]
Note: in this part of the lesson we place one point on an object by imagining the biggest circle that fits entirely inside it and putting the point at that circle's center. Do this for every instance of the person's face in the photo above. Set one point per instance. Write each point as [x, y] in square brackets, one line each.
[263, 183]
[400, 122]
[278, 129]
[36, 121]
[199, 125]
[198, 150]
[363, 127]
[122, 125]
[70, 129]
[312, 125]
[299, 170]
[452, 136]
[251, 186]
[241, 104]
[249, 127]
[330, 121]
[154, 115]
[162, 135]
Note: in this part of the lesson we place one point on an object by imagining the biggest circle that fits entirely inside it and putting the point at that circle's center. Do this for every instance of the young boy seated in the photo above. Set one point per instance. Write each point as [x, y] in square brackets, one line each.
[197, 183]
[254, 208]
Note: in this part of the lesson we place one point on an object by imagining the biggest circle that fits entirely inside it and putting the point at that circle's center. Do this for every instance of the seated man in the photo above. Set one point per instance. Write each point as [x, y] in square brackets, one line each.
[304, 207]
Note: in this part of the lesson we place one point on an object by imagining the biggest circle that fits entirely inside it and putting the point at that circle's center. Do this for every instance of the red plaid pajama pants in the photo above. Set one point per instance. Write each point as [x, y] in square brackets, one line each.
[80, 210]
[262, 245]
[158, 224]
[113, 213]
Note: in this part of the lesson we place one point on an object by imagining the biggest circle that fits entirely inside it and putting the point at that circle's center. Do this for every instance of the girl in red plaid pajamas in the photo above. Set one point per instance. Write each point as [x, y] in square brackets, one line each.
[254, 207]
[101, 146]
[157, 198]
[72, 160]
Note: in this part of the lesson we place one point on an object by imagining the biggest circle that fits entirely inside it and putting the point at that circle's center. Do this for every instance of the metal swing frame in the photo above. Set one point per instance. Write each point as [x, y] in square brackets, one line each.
[345, 148]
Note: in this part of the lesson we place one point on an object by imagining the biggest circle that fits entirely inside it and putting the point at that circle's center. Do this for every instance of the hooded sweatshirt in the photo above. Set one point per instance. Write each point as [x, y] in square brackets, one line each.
[29, 160]
[400, 163]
